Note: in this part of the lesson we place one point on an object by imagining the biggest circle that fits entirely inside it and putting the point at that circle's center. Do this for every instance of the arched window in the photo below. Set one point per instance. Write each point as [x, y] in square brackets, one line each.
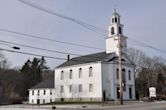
[80, 87]
[124, 74]
[32, 92]
[117, 73]
[116, 20]
[129, 75]
[120, 31]
[112, 30]
[90, 71]
[71, 74]
[38, 92]
[119, 20]
[70, 88]
[112, 20]
[44, 93]
[62, 75]
[50, 92]
[124, 79]
[61, 89]
[80, 73]
[90, 87]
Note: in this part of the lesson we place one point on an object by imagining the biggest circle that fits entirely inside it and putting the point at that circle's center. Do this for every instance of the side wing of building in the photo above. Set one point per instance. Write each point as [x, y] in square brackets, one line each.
[43, 92]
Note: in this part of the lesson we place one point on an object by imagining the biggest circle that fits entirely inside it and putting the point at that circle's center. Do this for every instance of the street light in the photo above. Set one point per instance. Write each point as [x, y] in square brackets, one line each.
[9, 45]
[17, 48]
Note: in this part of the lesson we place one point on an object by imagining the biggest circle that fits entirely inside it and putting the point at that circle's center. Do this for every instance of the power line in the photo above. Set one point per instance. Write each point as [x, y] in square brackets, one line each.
[32, 54]
[79, 45]
[39, 55]
[66, 53]
[56, 58]
[148, 46]
[47, 39]
[86, 25]
[38, 48]
[91, 27]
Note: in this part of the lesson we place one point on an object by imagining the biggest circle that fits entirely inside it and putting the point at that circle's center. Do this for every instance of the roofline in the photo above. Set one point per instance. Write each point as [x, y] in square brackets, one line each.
[77, 65]
[40, 88]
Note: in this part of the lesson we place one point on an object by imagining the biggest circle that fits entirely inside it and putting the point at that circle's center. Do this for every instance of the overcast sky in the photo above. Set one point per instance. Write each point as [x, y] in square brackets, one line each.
[144, 20]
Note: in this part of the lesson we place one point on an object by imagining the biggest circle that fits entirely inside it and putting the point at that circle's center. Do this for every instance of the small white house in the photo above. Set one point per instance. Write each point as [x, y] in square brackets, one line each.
[43, 92]
[95, 77]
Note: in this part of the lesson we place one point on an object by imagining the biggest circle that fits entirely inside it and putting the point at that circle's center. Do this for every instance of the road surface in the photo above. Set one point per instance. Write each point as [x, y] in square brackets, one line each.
[146, 106]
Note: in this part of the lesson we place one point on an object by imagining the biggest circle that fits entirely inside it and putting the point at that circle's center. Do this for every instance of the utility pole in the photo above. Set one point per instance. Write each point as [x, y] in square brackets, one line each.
[120, 70]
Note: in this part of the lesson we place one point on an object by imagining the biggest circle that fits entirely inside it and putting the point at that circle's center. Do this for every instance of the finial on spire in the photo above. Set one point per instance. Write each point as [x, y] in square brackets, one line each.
[115, 6]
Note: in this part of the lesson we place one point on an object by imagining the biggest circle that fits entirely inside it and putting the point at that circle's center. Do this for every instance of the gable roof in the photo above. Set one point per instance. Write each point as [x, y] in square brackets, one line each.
[48, 83]
[85, 59]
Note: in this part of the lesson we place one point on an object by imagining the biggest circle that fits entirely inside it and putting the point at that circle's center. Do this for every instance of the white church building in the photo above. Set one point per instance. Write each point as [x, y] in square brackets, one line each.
[95, 77]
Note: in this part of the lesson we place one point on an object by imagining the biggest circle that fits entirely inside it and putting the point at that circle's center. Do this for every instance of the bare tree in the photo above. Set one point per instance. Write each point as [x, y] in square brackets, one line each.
[147, 70]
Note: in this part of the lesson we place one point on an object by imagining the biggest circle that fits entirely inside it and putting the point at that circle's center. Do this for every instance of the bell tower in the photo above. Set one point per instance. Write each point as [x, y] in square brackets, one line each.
[115, 30]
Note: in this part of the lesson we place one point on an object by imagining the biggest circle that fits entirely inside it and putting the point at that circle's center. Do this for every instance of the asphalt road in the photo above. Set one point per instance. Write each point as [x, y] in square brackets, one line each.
[152, 106]
[147, 106]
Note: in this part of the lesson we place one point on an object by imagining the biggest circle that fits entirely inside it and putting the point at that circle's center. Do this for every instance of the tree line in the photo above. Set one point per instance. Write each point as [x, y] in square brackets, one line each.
[14, 82]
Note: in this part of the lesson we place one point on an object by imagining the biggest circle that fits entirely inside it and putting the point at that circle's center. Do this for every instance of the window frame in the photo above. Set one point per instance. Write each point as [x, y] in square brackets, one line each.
[90, 71]
[117, 74]
[120, 30]
[80, 73]
[113, 20]
[61, 88]
[116, 20]
[70, 74]
[124, 78]
[32, 92]
[38, 92]
[44, 92]
[80, 88]
[51, 92]
[129, 75]
[112, 31]
[70, 88]
[62, 75]
[90, 87]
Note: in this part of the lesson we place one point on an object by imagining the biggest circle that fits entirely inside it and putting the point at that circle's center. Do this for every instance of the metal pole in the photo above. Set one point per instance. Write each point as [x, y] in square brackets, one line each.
[120, 70]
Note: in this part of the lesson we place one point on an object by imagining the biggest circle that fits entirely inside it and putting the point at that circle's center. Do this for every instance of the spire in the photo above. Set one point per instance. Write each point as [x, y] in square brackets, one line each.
[115, 8]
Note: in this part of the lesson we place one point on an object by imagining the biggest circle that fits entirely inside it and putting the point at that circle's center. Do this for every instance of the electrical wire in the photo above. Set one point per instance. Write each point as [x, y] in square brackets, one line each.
[47, 39]
[148, 46]
[48, 50]
[91, 27]
[86, 25]
[58, 58]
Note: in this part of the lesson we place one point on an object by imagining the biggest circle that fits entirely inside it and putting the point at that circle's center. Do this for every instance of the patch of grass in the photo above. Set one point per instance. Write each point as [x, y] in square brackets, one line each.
[73, 102]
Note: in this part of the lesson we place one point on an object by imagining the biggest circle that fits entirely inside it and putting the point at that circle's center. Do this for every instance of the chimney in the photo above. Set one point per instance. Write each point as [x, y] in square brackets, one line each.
[68, 57]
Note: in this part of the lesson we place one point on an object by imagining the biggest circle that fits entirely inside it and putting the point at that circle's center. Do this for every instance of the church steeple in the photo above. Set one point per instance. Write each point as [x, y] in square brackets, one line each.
[115, 27]
[115, 30]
